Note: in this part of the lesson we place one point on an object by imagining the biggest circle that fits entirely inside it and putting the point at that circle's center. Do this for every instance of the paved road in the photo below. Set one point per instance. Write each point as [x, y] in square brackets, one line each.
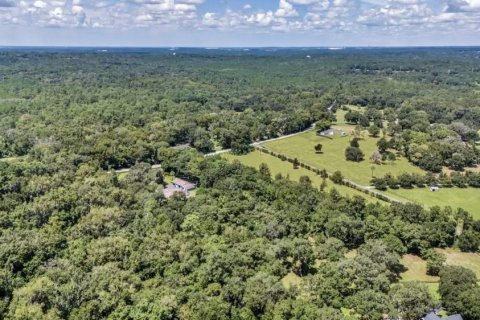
[254, 144]
[372, 190]
[258, 143]
[125, 170]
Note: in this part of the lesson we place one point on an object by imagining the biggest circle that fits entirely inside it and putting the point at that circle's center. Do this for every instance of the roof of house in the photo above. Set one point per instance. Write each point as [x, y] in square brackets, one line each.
[454, 317]
[170, 190]
[328, 131]
[184, 184]
[433, 316]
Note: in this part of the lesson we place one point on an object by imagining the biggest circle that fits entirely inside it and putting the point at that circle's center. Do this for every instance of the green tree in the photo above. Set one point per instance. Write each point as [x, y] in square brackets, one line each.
[373, 130]
[454, 280]
[337, 177]
[296, 163]
[411, 300]
[354, 154]
[318, 148]
[435, 262]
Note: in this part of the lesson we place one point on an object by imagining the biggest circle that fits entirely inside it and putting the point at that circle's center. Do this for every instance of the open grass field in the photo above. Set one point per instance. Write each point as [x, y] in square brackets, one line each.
[467, 199]
[255, 158]
[333, 156]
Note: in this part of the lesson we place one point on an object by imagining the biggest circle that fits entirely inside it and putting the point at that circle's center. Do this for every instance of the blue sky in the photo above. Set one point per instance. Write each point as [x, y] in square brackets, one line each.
[225, 23]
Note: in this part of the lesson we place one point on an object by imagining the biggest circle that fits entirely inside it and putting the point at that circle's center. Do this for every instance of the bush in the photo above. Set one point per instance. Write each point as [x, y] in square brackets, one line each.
[354, 143]
[354, 154]
[337, 177]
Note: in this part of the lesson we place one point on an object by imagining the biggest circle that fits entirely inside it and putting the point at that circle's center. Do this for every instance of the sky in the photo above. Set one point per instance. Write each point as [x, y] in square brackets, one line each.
[239, 23]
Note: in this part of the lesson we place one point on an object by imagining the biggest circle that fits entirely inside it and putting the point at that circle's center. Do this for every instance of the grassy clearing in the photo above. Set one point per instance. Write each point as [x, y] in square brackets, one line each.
[333, 156]
[467, 260]
[417, 267]
[468, 199]
[255, 158]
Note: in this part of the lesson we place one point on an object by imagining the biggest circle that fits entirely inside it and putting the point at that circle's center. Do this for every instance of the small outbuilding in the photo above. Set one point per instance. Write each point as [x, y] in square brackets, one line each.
[434, 188]
[329, 132]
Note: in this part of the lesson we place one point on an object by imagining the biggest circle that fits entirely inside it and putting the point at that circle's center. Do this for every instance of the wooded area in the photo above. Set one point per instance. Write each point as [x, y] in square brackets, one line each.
[80, 242]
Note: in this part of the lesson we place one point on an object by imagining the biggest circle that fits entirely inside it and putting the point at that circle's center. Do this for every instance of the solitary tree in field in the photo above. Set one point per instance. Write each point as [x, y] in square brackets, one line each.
[376, 157]
[318, 148]
[382, 145]
[354, 154]
[373, 169]
[354, 143]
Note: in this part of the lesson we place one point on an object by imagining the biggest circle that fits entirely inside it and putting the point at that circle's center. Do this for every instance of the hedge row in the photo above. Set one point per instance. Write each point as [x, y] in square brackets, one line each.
[409, 181]
[345, 182]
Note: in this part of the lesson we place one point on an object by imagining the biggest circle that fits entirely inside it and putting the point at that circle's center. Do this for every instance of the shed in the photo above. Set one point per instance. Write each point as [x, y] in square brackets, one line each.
[329, 132]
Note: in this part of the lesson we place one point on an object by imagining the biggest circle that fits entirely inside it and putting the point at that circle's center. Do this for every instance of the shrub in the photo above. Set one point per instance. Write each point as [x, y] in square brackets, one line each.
[337, 177]
[354, 154]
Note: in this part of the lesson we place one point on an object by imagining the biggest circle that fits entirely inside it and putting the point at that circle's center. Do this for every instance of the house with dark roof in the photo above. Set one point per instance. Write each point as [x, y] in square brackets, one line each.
[434, 316]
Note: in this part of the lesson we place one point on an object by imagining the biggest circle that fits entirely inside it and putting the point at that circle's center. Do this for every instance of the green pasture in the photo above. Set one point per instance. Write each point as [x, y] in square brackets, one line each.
[255, 158]
[465, 198]
[332, 157]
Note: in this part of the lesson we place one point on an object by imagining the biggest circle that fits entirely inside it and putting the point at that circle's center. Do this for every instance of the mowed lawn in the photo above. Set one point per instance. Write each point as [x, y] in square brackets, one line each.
[333, 156]
[255, 158]
[467, 199]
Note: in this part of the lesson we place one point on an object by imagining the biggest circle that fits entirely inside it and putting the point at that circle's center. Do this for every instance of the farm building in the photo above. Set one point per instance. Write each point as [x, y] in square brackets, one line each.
[331, 132]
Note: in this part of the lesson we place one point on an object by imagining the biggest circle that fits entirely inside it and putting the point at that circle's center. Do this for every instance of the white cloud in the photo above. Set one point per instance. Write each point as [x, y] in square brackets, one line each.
[304, 2]
[291, 15]
[39, 4]
[463, 5]
[285, 9]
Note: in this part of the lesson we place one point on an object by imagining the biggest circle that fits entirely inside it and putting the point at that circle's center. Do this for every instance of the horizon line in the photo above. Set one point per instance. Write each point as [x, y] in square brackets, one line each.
[238, 47]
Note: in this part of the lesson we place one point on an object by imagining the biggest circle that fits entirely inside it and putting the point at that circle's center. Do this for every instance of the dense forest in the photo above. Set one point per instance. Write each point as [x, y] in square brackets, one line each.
[78, 241]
